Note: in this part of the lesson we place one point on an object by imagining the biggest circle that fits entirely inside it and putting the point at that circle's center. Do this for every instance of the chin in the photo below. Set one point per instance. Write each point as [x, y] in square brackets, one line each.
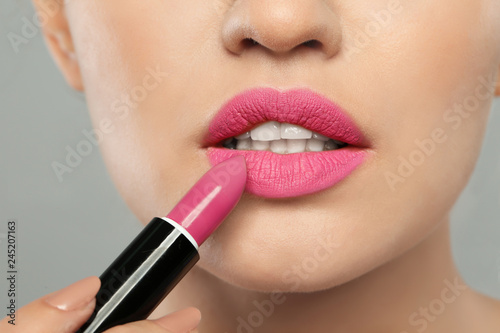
[282, 270]
[260, 256]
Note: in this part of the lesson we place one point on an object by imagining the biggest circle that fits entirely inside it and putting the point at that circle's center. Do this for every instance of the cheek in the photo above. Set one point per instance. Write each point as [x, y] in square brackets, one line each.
[432, 99]
[427, 91]
[144, 78]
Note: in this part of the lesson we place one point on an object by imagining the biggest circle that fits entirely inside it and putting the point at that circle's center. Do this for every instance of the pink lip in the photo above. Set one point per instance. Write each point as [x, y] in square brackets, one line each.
[279, 176]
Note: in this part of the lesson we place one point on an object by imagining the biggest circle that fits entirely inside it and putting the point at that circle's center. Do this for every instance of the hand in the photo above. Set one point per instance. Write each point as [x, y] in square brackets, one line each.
[64, 311]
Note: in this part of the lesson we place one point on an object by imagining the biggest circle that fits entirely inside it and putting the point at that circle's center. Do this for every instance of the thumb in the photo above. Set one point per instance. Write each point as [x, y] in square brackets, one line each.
[182, 321]
[63, 311]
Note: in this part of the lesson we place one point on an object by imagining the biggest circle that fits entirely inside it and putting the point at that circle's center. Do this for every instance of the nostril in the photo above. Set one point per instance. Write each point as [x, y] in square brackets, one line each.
[312, 43]
[249, 42]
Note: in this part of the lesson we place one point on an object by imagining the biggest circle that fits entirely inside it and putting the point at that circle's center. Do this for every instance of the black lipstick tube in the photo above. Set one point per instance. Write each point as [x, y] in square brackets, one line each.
[142, 275]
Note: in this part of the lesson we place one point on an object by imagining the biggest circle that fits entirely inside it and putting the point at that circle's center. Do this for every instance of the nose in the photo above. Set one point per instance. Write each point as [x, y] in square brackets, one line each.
[282, 26]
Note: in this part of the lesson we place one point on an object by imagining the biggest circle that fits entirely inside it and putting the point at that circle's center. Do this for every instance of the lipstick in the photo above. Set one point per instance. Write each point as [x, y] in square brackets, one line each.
[166, 249]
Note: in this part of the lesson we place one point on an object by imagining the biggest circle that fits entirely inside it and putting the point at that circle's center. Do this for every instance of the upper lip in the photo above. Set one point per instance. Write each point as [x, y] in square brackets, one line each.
[296, 106]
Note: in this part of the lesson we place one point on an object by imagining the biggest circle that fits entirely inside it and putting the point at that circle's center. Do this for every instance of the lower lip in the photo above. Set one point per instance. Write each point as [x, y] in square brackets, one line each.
[273, 175]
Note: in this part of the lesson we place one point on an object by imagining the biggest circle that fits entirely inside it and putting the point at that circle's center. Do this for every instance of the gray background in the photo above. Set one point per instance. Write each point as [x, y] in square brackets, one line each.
[72, 229]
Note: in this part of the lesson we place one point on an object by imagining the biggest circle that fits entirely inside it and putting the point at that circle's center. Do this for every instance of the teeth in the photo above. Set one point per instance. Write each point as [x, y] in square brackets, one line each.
[290, 131]
[316, 136]
[266, 132]
[245, 135]
[315, 145]
[260, 145]
[331, 145]
[282, 139]
[295, 145]
[245, 144]
[278, 146]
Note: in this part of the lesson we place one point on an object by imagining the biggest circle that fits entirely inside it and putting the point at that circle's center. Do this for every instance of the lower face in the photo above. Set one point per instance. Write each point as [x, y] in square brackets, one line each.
[156, 74]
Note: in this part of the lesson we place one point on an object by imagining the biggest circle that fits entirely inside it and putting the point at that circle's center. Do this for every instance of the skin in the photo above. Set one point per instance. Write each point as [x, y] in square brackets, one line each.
[388, 234]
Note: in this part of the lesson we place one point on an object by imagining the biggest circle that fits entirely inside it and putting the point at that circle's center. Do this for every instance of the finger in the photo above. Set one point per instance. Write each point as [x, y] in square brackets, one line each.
[182, 321]
[63, 311]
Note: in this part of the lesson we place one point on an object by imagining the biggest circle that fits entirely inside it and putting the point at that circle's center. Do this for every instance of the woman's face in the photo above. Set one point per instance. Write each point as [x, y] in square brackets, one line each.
[416, 77]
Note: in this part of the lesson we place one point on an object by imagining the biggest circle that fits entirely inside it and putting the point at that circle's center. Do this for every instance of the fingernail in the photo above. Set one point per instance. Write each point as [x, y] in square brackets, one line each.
[75, 296]
[182, 321]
